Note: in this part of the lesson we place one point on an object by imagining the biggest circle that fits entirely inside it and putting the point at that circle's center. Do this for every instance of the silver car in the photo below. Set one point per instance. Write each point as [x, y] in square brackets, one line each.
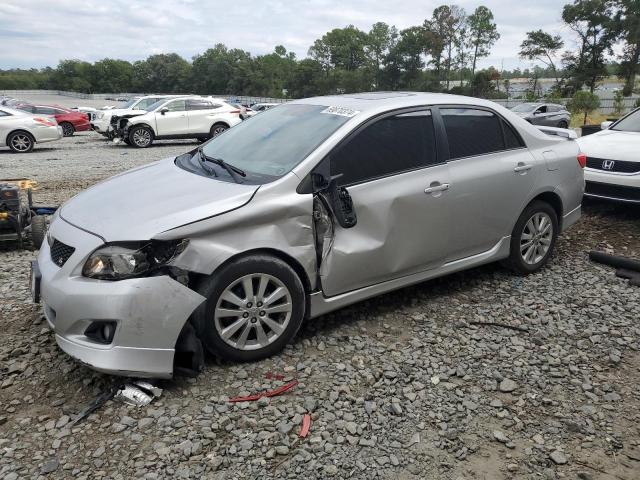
[20, 131]
[544, 114]
[308, 207]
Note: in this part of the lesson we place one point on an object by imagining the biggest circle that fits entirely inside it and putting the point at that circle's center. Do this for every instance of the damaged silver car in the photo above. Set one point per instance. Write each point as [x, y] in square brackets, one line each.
[308, 207]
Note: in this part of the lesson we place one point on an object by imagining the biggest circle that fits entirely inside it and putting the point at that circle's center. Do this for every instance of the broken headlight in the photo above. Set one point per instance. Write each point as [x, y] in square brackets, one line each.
[121, 261]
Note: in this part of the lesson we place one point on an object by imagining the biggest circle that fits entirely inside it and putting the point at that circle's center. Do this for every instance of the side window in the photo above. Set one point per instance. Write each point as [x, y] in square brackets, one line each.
[472, 132]
[45, 111]
[542, 109]
[176, 106]
[511, 138]
[144, 104]
[4, 114]
[197, 104]
[391, 145]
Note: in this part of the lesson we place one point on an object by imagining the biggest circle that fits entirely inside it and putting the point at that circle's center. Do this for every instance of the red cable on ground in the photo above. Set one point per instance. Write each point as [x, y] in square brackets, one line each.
[269, 393]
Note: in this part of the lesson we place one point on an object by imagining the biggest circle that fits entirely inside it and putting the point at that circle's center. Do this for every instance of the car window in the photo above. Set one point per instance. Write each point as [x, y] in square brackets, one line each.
[511, 138]
[58, 111]
[472, 132]
[553, 108]
[542, 109]
[4, 114]
[176, 106]
[143, 104]
[391, 145]
[27, 108]
[198, 104]
[630, 123]
[45, 110]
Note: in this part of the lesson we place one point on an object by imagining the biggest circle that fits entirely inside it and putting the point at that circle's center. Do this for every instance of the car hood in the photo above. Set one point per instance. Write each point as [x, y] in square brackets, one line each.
[611, 144]
[146, 201]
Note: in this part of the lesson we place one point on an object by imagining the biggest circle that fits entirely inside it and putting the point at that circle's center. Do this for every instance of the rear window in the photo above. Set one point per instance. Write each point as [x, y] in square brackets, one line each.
[472, 132]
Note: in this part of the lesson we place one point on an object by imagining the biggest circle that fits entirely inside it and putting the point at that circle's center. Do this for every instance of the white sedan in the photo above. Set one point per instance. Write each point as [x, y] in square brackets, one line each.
[613, 160]
[20, 131]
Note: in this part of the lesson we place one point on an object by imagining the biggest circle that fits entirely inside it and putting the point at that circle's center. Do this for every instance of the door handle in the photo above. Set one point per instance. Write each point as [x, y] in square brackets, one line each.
[441, 187]
[522, 168]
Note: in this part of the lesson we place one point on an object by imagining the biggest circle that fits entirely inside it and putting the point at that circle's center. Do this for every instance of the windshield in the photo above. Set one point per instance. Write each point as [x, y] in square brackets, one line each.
[155, 105]
[630, 123]
[524, 107]
[273, 143]
[130, 103]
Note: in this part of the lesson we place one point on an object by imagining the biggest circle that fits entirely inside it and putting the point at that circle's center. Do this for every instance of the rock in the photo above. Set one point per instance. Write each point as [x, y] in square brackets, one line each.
[500, 437]
[282, 450]
[330, 470]
[507, 385]
[558, 457]
[50, 466]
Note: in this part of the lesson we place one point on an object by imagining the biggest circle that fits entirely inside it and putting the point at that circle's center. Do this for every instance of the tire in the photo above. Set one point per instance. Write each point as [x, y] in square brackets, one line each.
[20, 142]
[38, 230]
[525, 260]
[217, 129]
[211, 317]
[127, 141]
[67, 129]
[141, 136]
[563, 124]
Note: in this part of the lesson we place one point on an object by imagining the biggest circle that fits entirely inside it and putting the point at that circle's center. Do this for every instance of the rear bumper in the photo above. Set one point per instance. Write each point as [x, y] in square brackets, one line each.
[82, 127]
[47, 134]
[610, 191]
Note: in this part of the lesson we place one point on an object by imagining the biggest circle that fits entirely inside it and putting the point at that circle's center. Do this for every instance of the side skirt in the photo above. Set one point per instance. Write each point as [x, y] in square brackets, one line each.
[321, 304]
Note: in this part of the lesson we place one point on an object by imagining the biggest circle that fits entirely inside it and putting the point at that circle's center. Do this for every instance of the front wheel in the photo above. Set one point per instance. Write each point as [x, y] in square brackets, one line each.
[140, 137]
[217, 129]
[533, 238]
[254, 307]
[38, 230]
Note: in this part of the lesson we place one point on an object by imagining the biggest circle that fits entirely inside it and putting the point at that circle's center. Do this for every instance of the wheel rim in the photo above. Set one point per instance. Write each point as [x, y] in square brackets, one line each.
[536, 238]
[21, 142]
[253, 311]
[141, 137]
[218, 130]
[67, 130]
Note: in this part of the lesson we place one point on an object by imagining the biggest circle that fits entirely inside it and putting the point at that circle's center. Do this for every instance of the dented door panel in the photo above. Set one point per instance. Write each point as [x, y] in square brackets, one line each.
[401, 230]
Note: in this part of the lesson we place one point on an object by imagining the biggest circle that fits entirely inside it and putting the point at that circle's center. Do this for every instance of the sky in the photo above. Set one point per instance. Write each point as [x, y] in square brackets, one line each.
[38, 33]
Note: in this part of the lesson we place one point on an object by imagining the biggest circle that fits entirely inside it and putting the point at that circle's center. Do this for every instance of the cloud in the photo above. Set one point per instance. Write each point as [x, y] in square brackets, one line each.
[37, 33]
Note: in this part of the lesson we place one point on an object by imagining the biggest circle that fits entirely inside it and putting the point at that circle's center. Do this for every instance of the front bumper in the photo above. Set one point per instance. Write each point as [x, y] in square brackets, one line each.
[101, 125]
[612, 186]
[149, 312]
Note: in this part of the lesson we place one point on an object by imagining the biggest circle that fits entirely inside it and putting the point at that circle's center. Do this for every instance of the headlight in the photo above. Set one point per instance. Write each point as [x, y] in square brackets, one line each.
[100, 115]
[120, 261]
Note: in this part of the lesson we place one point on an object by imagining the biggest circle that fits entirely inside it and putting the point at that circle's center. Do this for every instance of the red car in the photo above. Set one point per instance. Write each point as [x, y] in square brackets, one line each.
[69, 120]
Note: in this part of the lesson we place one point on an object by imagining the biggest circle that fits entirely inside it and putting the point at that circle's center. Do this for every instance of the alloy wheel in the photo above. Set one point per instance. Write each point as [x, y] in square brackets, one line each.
[67, 129]
[218, 130]
[536, 238]
[21, 142]
[253, 311]
[141, 137]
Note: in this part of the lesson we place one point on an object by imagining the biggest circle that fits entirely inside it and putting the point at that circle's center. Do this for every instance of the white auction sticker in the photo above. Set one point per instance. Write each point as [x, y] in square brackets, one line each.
[342, 111]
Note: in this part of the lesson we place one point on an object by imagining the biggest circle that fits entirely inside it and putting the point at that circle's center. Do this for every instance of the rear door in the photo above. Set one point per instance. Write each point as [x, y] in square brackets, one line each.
[200, 112]
[398, 183]
[492, 175]
[174, 121]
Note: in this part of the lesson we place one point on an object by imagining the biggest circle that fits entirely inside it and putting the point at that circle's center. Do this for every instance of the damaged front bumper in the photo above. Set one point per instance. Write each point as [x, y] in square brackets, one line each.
[149, 313]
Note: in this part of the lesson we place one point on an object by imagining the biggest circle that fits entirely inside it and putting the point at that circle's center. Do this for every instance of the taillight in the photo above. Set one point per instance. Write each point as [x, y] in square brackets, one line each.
[44, 121]
[582, 160]
[234, 111]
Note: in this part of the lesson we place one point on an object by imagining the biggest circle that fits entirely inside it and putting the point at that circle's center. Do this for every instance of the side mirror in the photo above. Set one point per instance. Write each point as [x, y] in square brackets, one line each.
[164, 110]
[605, 125]
[341, 204]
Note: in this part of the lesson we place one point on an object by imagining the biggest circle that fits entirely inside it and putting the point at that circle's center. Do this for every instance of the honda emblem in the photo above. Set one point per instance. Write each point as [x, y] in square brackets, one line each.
[608, 164]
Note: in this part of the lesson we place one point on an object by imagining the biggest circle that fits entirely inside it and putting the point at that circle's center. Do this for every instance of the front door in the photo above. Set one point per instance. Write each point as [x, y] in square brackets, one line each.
[174, 121]
[398, 186]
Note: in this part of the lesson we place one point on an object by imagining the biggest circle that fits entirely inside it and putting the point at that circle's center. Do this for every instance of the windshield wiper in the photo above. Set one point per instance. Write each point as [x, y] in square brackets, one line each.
[234, 172]
[202, 160]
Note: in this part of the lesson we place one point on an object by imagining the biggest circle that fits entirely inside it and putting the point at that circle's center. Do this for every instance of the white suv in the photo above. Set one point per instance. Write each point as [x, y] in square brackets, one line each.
[185, 117]
[101, 120]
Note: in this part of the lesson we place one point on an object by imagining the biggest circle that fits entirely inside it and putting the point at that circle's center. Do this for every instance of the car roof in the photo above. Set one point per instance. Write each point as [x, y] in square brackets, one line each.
[370, 101]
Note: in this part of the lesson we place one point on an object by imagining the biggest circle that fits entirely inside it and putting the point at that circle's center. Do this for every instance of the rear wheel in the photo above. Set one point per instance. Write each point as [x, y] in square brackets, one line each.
[533, 238]
[217, 129]
[20, 142]
[141, 136]
[254, 307]
[67, 129]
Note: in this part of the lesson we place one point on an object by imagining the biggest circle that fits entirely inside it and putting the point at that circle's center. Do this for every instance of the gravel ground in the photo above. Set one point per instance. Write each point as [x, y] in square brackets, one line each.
[404, 386]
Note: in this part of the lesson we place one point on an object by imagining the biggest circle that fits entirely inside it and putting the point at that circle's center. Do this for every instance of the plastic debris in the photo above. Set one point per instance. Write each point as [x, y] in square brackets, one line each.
[274, 376]
[103, 398]
[138, 393]
[306, 425]
[269, 393]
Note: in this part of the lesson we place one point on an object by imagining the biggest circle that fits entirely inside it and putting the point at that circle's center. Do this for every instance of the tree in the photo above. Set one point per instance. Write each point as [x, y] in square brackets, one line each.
[584, 102]
[543, 47]
[341, 48]
[162, 73]
[618, 102]
[483, 33]
[597, 26]
[446, 25]
[110, 76]
[380, 39]
[629, 11]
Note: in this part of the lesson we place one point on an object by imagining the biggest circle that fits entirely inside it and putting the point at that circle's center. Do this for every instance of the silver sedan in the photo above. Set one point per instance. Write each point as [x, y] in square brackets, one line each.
[305, 209]
[20, 131]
